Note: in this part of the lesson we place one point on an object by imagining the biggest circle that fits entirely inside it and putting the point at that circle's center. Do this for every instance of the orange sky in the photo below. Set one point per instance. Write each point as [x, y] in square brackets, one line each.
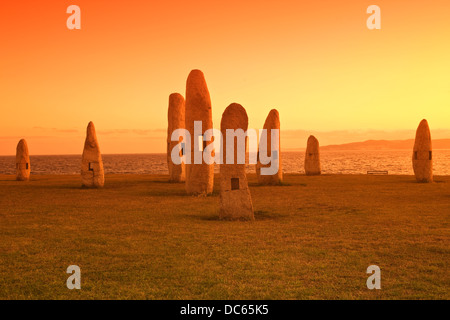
[315, 61]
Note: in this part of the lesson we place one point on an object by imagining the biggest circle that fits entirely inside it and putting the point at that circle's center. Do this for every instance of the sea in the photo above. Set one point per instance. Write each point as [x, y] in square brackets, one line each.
[397, 162]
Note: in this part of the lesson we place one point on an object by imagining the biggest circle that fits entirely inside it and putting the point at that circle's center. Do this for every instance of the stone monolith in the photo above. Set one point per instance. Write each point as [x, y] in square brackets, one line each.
[92, 173]
[235, 198]
[272, 122]
[176, 120]
[199, 177]
[23, 167]
[312, 157]
[423, 154]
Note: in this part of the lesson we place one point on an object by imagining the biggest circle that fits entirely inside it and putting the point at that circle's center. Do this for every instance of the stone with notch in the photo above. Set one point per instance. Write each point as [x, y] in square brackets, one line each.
[422, 158]
[23, 167]
[312, 157]
[235, 198]
[92, 172]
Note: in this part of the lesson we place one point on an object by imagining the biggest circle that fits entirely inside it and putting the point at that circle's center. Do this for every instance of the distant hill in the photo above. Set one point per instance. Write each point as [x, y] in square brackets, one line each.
[384, 145]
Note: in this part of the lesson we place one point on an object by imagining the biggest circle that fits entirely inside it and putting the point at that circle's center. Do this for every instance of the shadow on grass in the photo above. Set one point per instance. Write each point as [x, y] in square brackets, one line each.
[206, 218]
[281, 184]
[72, 187]
[175, 193]
[325, 209]
[423, 183]
[29, 185]
[266, 215]
[167, 182]
[163, 193]
[260, 215]
[300, 184]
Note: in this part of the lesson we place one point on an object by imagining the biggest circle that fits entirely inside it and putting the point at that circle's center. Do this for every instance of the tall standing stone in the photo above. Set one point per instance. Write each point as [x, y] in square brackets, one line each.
[312, 157]
[235, 198]
[92, 173]
[199, 177]
[176, 120]
[423, 154]
[272, 122]
[23, 167]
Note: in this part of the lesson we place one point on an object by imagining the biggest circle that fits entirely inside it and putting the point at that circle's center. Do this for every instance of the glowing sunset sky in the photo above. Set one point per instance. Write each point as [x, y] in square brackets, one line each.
[315, 61]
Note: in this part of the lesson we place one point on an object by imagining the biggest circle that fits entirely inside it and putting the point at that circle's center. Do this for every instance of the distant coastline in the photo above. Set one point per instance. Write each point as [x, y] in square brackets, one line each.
[368, 145]
[397, 162]
[374, 145]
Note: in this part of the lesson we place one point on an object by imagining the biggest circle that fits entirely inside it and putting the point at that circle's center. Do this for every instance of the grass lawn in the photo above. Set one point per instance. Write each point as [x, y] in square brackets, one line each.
[143, 238]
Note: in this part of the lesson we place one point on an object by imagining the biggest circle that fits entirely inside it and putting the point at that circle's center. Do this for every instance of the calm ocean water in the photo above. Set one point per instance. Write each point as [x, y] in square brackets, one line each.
[333, 162]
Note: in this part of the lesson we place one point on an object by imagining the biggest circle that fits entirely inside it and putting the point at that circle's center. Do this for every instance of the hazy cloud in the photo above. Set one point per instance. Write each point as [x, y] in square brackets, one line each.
[141, 132]
[43, 129]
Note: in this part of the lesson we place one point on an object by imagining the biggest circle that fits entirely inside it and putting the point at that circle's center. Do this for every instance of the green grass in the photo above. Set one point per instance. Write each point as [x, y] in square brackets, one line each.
[143, 238]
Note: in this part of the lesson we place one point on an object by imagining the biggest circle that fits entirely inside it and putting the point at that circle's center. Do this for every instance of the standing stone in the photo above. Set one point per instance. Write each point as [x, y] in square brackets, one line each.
[23, 168]
[312, 157]
[176, 121]
[235, 198]
[272, 122]
[422, 154]
[92, 173]
[199, 177]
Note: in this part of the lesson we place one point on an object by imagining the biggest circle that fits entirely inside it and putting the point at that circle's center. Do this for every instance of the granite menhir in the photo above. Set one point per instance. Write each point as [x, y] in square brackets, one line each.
[92, 172]
[312, 157]
[199, 177]
[23, 167]
[272, 122]
[422, 158]
[235, 198]
[176, 120]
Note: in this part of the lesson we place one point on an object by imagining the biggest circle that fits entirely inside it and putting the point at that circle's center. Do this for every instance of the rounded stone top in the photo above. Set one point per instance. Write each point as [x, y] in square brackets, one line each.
[313, 142]
[423, 125]
[196, 79]
[272, 120]
[90, 128]
[22, 146]
[176, 101]
[197, 93]
[196, 73]
[234, 117]
[274, 113]
[423, 137]
[176, 97]
[91, 137]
